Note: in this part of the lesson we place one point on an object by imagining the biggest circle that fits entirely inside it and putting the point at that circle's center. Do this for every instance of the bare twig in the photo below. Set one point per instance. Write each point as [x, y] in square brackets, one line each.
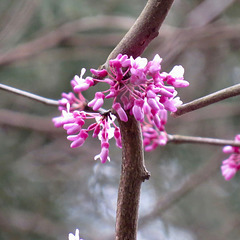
[207, 100]
[201, 140]
[32, 96]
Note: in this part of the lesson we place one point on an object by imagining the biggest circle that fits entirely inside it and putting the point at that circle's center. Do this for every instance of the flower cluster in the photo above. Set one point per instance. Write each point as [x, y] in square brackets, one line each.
[232, 164]
[137, 87]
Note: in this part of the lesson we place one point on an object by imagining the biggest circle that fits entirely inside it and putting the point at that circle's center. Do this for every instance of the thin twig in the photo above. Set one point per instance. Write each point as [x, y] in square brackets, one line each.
[32, 96]
[207, 100]
[201, 140]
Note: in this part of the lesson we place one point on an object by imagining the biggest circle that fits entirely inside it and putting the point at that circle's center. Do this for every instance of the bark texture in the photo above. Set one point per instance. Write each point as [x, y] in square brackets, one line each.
[132, 175]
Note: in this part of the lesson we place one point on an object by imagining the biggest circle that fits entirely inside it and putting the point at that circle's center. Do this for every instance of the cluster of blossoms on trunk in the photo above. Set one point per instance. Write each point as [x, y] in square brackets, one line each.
[137, 87]
[232, 164]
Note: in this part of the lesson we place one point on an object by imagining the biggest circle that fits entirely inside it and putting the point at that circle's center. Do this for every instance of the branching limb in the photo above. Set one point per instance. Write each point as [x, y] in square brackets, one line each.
[207, 100]
[32, 96]
[201, 140]
[144, 30]
[133, 171]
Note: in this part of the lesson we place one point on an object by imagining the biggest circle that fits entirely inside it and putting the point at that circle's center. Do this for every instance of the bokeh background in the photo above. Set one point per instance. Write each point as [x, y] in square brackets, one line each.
[47, 189]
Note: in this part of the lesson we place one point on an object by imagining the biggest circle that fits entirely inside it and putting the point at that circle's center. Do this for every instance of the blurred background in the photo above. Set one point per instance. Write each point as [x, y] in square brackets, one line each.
[47, 189]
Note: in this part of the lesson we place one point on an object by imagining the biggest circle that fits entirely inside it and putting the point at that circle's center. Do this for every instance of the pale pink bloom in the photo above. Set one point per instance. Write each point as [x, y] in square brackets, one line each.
[228, 171]
[232, 164]
[99, 73]
[138, 110]
[79, 84]
[121, 113]
[154, 66]
[103, 156]
[79, 139]
[97, 102]
[117, 136]
[175, 77]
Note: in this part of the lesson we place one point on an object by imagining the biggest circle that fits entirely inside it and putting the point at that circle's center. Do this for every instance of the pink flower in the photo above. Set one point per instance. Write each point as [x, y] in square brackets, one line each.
[99, 73]
[136, 86]
[121, 113]
[78, 140]
[117, 136]
[79, 84]
[97, 102]
[138, 110]
[231, 165]
[175, 77]
[154, 66]
[103, 156]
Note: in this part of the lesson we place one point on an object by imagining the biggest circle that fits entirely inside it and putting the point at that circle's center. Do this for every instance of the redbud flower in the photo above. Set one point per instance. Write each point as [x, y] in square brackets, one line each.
[97, 102]
[103, 156]
[117, 136]
[231, 165]
[138, 110]
[78, 140]
[136, 86]
[121, 113]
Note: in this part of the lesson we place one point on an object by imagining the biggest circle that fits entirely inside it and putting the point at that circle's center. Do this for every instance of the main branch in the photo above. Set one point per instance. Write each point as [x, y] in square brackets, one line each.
[133, 173]
[144, 30]
[132, 176]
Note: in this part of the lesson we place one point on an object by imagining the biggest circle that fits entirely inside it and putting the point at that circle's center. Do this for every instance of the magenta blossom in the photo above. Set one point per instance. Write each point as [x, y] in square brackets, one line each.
[137, 87]
[231, 165]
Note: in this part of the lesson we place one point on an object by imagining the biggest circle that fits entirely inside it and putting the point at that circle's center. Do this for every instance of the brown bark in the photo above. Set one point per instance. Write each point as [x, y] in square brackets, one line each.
[133, 172]
[144, 30]
[132, 176]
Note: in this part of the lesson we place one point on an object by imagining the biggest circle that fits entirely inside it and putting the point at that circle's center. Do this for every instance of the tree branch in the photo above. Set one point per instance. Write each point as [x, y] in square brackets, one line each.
[207, 100]
[133, 172]
[210, 141]
[32, 96]
[132, 175]
[144, 30]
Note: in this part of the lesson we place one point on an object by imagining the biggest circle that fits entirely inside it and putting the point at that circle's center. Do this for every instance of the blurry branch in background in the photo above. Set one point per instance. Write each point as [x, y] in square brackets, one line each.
[15, 21]
[207, 100]
[24, 221]
[60, 34]
[206, 12]
[179, 38]
[27, 121]
[164, 203]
